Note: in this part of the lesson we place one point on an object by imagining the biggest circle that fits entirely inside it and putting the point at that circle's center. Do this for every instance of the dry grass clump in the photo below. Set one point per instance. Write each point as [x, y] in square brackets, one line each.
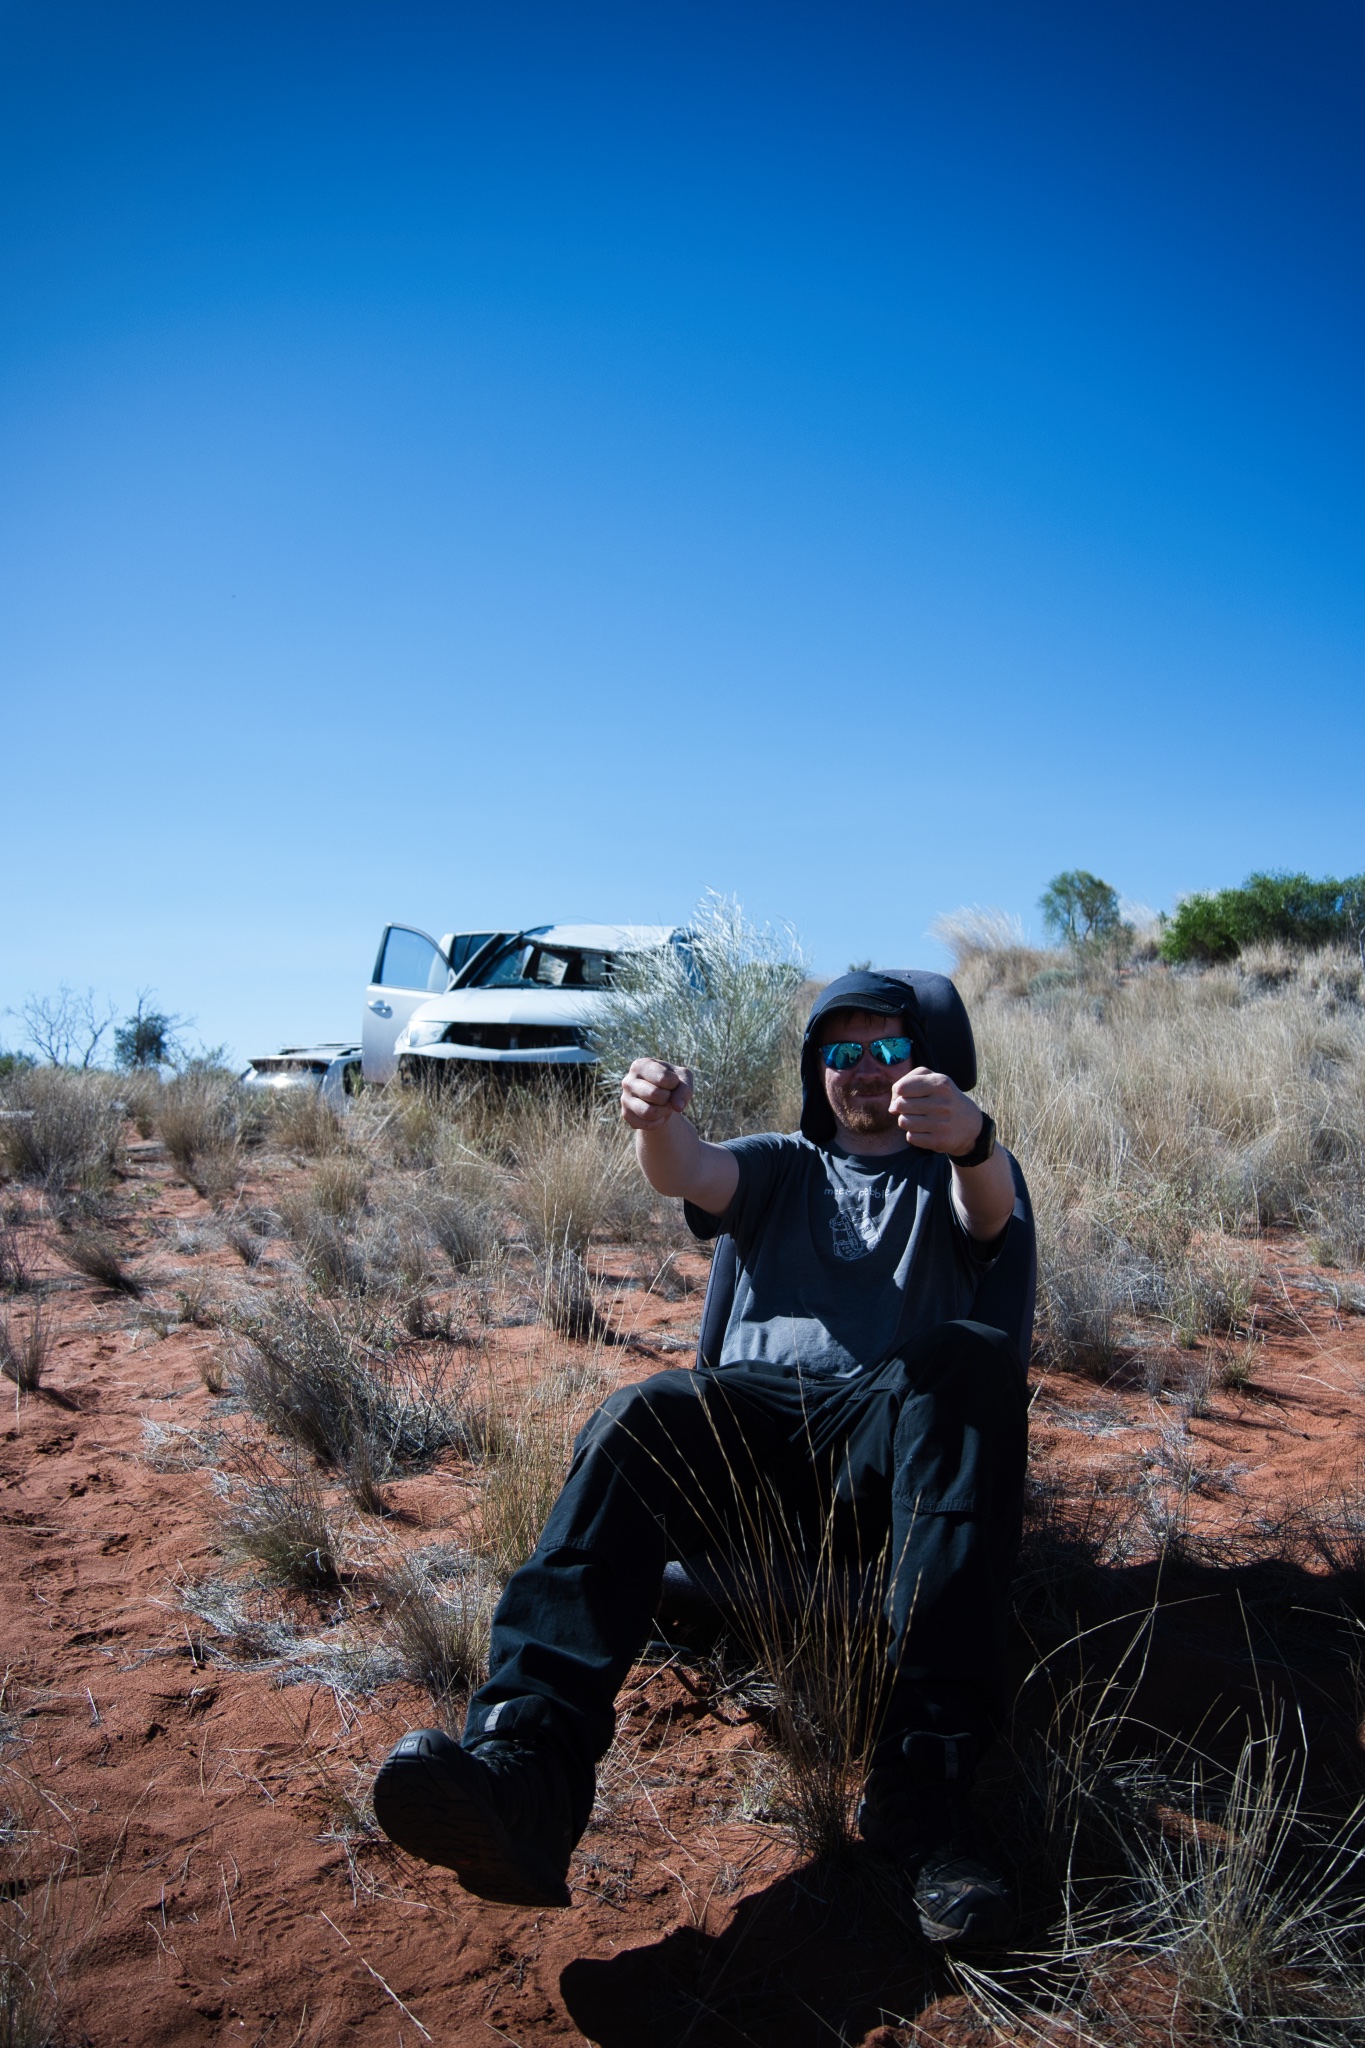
[338, 1385]
[277, 1516]
[527, 1449]
[1200, 1902]
[1212, 1295]
[248, 1239]
[1245, 1105]
[989, 947]
[64, 1127]
[97, 1254]
[24, 1353]
[16, 1274]
[576, 1177]
[462, 1226]
[204, 1118]
[1326, 1529]
[334, 1255]
[339, 1185]
[387, 1235]
[1158, 1112]
[568, 1303]
[197, 1300]
[824, 1653]
[439, 1630]
[1086, 1297]
[1337, 1233]
[140, 1091]
[425, 1129]
[299, 1120]
[1070, 1533]
[53, 1907]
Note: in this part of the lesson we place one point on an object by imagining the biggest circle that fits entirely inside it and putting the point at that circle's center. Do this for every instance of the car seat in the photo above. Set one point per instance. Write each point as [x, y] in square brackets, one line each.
[713, 1586]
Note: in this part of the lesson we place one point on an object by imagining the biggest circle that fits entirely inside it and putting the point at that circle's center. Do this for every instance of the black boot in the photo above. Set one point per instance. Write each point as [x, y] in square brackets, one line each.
[498, 1815]
[914, 1810]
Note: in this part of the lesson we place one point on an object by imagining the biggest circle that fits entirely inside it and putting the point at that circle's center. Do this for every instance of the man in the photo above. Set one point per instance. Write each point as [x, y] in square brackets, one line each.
[849, 1395]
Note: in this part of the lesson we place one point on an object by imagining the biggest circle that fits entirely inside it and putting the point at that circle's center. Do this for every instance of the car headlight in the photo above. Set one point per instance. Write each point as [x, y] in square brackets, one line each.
[430, 1033]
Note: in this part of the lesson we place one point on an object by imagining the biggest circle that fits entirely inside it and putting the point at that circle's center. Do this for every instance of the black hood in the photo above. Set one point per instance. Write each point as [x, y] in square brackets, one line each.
[935, 1018]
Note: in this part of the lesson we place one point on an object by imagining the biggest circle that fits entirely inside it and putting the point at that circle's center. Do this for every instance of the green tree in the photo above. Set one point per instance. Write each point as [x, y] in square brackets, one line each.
[147, 1038]
[1079, 909]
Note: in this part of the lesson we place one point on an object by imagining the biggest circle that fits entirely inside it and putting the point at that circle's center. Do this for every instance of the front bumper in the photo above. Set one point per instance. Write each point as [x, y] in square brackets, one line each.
[498, 1056]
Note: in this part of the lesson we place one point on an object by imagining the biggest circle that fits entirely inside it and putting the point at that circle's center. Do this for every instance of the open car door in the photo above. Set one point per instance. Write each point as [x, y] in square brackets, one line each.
[409, 970]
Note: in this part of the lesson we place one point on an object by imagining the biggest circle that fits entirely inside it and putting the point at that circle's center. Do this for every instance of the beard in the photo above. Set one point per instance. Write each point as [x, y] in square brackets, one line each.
[867, 1116]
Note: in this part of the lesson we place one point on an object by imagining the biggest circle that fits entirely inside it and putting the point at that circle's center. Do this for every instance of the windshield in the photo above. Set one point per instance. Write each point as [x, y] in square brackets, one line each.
[530, 965]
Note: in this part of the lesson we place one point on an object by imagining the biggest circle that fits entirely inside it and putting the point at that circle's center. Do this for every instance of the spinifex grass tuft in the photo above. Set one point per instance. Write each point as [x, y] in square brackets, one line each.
[811, 1619]
[526, 1455]
[16, 1275]
[300, 1121]
[576, 1177]
[277, 1516]
[54, 1903]
[1196, 1902]
[96, 1254]
[440, 1632]
[334, 1382]
[203, 1118]
[24, 1352]
[567, 1302]
[248, 1244]
[64, 1128]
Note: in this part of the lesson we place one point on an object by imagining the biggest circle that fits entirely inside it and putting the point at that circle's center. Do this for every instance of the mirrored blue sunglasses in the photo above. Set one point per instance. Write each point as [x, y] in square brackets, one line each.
[846, 1052]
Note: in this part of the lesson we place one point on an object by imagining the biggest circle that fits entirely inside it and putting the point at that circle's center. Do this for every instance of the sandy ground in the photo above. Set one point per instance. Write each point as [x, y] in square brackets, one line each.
[231, 1889]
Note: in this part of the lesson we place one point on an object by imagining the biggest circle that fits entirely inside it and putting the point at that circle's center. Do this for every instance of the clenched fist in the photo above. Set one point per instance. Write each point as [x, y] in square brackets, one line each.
[652, 1092]
[934, 1113]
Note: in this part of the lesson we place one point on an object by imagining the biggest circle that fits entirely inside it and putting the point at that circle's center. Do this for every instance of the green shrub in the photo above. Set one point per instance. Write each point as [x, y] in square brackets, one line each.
[726, 1007]
[1212, 926]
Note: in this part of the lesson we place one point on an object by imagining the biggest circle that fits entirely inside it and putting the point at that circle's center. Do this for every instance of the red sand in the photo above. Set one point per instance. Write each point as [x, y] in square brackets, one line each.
[209, 1803]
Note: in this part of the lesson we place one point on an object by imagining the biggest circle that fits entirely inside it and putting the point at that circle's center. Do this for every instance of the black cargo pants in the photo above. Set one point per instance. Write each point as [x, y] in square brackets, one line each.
[926, 1451]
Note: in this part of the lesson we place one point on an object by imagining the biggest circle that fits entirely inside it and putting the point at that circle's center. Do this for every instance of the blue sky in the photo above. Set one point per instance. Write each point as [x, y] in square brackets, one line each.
[484, 464]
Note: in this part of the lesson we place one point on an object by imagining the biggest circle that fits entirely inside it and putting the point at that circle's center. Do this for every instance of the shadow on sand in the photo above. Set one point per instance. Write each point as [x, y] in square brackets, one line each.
[1171, 1656]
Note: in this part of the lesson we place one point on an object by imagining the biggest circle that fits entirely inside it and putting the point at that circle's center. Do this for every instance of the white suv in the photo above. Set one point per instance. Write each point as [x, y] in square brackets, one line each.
[523, 999]
[409, 969]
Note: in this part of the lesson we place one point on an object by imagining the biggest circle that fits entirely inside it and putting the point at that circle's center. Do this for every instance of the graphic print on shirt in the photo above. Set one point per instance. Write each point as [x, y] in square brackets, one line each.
[853, 1227]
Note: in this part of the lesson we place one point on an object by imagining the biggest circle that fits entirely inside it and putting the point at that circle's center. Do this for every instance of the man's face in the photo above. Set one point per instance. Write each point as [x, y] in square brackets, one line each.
[861, 1096]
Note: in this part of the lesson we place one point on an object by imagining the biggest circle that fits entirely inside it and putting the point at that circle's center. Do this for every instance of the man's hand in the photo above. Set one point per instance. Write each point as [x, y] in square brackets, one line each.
[934, 1113]
[674, 1158]
[652, 1092]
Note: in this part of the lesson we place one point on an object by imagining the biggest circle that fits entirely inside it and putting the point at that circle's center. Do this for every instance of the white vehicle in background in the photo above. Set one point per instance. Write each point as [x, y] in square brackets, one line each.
[332, 1068]
[409, 969]
[523, 1000]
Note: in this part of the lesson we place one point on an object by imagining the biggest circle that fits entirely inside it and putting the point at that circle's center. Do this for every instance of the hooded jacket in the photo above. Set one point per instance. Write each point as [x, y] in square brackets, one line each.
[935, 1021]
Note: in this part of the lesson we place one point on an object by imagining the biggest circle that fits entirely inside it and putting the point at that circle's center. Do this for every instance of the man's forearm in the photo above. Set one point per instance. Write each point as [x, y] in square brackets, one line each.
[985, 1195]
[676, 1161]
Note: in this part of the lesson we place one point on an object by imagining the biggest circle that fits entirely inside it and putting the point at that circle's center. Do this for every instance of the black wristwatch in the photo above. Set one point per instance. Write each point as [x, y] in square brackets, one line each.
[982, 1149]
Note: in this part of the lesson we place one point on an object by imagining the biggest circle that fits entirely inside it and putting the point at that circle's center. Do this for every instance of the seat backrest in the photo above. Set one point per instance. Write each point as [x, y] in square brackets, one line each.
[1004, 1298]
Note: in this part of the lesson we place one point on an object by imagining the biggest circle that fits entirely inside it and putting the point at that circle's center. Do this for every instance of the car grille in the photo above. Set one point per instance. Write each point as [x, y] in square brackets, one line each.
[513, 1037]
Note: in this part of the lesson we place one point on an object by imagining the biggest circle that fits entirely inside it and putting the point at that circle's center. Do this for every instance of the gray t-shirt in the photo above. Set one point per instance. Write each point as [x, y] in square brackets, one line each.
[841, 1259]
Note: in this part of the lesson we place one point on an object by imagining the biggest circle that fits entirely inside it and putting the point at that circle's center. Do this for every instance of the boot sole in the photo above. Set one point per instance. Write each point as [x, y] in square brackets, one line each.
[437, 1808]
[990, 1928]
